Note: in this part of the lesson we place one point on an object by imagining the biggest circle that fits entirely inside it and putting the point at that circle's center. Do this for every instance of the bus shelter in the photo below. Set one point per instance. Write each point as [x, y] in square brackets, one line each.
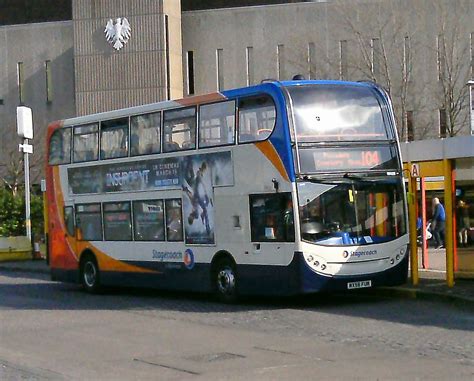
[442, 165]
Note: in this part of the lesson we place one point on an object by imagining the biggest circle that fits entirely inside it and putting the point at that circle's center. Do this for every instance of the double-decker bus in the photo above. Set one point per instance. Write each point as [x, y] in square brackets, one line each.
[280, 188]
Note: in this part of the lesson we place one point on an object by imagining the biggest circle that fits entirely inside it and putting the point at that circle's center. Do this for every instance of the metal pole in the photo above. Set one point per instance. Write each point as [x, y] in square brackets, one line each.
[412, 228]
[448, 204]
[27, 193]
[471, 104]
[424, 246]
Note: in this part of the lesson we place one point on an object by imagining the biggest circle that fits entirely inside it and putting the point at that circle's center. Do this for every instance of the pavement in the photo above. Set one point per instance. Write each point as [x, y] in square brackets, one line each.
[432, 284]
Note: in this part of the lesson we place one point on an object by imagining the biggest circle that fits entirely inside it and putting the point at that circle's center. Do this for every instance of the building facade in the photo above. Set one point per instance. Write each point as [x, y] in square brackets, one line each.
[61, 63]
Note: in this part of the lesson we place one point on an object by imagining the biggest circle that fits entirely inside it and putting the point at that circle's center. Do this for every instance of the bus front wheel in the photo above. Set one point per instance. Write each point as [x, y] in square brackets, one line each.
[225, 279]
[90, 275]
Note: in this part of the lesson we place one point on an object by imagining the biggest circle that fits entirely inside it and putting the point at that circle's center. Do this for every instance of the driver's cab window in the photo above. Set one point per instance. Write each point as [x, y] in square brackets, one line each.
[271, 217]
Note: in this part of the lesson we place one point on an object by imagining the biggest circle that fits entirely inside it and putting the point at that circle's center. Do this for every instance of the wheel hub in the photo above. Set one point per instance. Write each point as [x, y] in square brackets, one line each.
[226, 281]
[90, 274]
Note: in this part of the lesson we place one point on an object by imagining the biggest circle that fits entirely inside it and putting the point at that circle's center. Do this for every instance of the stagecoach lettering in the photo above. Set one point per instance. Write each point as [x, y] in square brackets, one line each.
[170, 255]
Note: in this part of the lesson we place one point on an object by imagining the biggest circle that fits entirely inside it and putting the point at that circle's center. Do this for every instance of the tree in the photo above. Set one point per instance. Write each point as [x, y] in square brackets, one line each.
[12, 213]
[375, 41]
[385, 41]
[453, 56]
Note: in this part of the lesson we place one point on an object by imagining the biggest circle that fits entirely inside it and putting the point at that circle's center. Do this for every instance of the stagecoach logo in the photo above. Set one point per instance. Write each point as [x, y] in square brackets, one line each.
[118, 34]
[188, 259]
[359, 253]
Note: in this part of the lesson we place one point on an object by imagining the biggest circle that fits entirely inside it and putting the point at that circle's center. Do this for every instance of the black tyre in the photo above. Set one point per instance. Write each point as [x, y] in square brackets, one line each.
[225, 281]
[90, 274]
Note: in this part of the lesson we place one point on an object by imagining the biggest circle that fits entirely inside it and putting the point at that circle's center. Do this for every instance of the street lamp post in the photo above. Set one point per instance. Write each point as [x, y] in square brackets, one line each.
[471, 104]
[24, 121]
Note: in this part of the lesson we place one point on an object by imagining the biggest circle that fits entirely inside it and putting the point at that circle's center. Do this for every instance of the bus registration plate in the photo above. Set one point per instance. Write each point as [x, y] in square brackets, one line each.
[360, 284]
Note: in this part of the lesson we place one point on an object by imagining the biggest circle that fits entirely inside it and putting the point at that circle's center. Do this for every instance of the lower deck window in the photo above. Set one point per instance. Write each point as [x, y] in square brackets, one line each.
[117, 221]
[271, 218]
[148, 219]
[174, 220]
[89, 221]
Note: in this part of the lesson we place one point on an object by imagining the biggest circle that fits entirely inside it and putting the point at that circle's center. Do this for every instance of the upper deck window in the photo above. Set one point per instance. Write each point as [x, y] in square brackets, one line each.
[145, 134]
[114, 138]
[337, 113]
[179, 129]
[60, 147]
[257, 117]
[217, 124]
[86, 142]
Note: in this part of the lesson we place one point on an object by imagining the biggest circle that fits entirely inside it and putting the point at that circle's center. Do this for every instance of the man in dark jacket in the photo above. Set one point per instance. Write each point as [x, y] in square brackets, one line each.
[438, 223]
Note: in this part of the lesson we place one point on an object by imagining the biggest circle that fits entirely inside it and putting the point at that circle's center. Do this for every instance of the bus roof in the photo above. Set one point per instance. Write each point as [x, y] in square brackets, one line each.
[206, 98]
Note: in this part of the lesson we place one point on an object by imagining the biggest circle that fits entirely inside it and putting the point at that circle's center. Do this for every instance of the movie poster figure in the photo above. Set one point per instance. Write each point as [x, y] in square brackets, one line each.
[198, 203]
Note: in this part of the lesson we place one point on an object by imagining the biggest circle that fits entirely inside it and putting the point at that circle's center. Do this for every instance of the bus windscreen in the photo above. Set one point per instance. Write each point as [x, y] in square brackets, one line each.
[337, 113]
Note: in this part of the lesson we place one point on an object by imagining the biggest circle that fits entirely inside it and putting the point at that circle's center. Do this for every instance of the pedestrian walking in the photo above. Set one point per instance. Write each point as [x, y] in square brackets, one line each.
[438, 223]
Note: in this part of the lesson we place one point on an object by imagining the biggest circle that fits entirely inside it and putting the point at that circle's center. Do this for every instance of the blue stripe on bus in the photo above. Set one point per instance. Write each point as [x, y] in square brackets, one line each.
[280, 138]
[296, 278]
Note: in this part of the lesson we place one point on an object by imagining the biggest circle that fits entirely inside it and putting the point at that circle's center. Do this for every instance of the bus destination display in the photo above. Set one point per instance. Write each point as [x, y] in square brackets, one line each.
[347, 158]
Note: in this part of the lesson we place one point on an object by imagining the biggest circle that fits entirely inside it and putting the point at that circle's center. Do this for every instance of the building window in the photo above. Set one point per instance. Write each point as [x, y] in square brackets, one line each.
[280, 62]
[21, 82]
[410, 127]
[376, 54]
[167, 50]
[190, 65]
[49, 82]
[220, 69]
[442, 123]
[311, 61]
[441, 57]
[343, 59]
[472, 55]
[249, 62]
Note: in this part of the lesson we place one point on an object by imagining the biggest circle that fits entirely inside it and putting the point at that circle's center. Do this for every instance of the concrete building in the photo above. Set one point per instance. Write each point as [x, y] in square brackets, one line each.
[57, 60]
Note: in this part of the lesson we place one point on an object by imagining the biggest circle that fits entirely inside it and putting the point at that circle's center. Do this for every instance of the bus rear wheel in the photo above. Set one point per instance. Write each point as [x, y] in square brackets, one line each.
[90, 274]
[225, 281]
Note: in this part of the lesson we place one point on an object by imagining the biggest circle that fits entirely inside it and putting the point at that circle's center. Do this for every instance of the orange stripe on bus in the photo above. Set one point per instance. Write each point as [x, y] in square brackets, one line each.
[67, 248]
[270, 152]
[191, 101]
